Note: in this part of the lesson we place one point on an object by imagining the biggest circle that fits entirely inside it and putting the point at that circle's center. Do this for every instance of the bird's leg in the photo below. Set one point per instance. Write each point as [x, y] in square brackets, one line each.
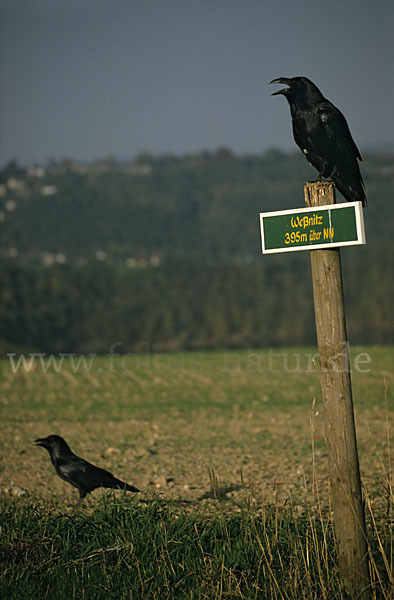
[77, 506]
[81, 497]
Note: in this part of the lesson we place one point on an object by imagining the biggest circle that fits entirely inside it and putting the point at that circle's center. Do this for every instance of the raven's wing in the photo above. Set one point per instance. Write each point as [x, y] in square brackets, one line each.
[342, 153]
[82, 474]
[337, 130]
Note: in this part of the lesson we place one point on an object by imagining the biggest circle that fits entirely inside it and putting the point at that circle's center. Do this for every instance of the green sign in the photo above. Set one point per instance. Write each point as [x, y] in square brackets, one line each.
[312, 228]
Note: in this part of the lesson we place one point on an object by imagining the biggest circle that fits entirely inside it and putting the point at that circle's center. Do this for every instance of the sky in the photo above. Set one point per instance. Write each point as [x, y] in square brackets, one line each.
[88, 79]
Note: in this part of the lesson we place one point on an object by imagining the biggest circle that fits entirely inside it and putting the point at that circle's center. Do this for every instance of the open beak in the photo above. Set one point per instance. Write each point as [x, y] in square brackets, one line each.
[41, 442]
[284, 80]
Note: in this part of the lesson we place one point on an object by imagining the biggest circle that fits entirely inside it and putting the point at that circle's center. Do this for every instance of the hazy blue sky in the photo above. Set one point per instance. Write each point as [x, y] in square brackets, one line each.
[90, 78]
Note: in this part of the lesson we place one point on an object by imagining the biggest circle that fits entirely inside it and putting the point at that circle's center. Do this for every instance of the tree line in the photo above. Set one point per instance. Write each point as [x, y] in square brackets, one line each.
[164, 252]
[184, 306]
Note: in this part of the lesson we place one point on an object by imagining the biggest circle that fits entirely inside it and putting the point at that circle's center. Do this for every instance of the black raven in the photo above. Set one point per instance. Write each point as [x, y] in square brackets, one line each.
[77, 471]
[323, 135]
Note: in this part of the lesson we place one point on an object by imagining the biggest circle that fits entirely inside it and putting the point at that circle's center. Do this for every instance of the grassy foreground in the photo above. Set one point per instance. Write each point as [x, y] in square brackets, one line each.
[229, 450]
[126, 550]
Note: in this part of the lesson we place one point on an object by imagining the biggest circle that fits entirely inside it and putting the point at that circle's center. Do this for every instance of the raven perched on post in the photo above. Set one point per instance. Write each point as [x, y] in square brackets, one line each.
[322, 133]
[77, 471]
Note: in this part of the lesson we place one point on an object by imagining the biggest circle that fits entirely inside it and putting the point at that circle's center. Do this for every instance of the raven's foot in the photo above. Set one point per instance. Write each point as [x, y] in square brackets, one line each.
[322, 179]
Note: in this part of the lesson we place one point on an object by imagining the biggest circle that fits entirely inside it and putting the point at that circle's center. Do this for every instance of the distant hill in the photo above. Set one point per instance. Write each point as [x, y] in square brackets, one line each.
[198, 207]
[164, 253]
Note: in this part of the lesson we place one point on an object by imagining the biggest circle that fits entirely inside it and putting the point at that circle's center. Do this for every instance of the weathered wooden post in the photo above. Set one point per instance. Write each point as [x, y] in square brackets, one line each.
[340, 433]
[321, 228]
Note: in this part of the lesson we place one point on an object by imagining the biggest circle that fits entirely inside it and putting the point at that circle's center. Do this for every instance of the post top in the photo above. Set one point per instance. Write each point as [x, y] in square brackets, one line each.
[319, 193]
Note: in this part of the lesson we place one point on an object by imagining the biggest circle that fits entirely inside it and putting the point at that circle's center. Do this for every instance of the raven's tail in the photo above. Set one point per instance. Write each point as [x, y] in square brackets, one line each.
[131, 488]
[117, 484]
[359, 195]
[353, 191]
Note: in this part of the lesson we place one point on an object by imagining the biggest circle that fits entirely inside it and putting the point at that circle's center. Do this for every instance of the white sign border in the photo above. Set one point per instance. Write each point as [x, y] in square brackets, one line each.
[358, 211]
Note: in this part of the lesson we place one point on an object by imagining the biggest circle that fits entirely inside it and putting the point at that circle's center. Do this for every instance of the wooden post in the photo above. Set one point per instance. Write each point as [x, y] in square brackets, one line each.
[340, 433]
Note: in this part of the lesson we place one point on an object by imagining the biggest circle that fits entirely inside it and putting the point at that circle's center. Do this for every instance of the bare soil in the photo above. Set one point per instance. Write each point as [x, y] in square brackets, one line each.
[203, 460]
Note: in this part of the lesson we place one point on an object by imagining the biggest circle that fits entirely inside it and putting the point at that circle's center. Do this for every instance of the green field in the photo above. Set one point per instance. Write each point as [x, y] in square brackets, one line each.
[229, 450]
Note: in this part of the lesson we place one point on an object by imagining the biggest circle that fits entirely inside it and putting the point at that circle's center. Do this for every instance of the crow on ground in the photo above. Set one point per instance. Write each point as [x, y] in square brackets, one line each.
[323, 135]
[77, 471]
